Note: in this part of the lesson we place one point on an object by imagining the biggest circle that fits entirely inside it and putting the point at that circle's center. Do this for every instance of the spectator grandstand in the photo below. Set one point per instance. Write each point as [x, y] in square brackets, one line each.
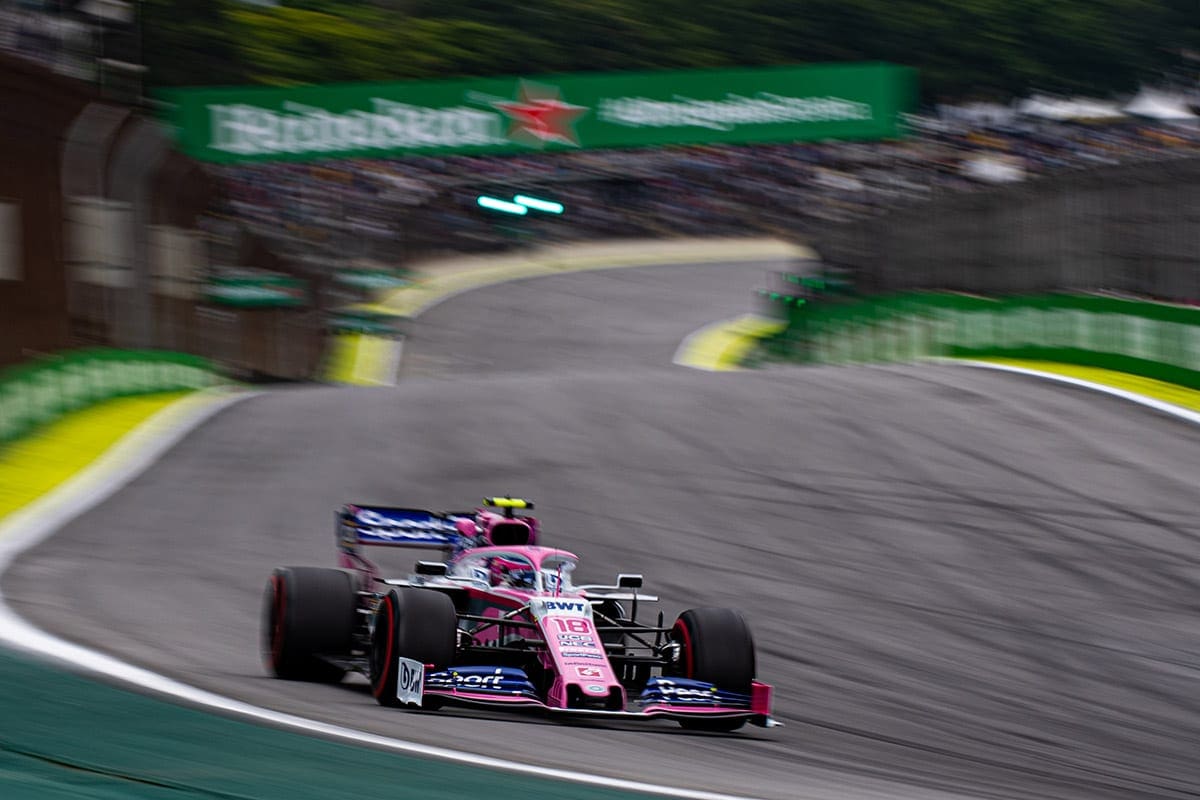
[395, 210]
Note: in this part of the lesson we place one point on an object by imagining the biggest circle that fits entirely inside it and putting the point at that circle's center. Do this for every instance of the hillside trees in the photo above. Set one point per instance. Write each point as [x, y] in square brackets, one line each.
[963, 48]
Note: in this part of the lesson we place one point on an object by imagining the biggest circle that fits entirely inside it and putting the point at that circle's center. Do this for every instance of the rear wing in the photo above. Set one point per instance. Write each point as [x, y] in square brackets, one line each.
[397, 527]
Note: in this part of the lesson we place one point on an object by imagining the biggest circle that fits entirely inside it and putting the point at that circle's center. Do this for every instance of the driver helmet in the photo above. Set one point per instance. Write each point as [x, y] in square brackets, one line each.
[516, 574]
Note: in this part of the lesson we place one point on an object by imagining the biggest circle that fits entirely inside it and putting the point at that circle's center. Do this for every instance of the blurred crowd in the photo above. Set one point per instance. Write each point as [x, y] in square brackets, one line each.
[398, 209]
[392, 210]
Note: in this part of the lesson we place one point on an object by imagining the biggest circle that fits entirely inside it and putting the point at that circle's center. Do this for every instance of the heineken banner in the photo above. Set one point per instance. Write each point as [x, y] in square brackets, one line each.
[504, 115]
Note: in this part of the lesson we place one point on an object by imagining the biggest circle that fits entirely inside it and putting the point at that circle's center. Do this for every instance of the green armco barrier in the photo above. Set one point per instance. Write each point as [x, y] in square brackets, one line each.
[514, 114]
[43, 390]
[1155, 340]
[62, 736]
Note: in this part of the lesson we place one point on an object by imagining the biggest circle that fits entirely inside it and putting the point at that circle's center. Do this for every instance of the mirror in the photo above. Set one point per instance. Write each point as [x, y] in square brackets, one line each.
[626, 581]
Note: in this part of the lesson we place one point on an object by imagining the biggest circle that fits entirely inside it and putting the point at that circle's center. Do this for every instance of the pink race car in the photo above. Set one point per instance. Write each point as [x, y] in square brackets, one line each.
[499, 622]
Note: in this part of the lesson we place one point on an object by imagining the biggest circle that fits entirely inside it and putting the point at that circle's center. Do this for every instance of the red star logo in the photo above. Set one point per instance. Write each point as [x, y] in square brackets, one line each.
[539, 115]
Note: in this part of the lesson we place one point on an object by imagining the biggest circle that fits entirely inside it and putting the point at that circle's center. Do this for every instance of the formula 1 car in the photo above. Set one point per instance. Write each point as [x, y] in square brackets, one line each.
[499, 622]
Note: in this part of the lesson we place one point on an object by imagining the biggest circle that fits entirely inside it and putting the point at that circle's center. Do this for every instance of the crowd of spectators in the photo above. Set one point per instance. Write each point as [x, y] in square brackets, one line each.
[398, 209]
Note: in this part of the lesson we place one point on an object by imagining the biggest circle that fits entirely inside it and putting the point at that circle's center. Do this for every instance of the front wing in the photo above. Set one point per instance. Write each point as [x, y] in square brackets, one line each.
[671, 698]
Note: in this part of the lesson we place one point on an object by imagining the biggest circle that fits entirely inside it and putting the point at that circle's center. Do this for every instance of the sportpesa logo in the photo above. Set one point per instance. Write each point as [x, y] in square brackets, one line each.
[386, 527]
[402, 534]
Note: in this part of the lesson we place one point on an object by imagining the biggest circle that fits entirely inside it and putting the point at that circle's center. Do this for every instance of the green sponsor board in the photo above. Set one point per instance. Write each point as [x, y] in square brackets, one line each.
[505, 115]
[40, 391]
[372, 279]
[364, 322]
[256, 290]
[1156, 340]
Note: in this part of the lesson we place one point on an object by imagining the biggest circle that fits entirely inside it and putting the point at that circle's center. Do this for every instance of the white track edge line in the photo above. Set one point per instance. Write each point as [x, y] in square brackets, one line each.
[39, 642]
[1133, 397]
[120, 465]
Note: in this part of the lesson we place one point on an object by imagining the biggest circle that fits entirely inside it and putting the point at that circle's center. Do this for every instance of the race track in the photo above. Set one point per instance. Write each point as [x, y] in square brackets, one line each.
[962, 583]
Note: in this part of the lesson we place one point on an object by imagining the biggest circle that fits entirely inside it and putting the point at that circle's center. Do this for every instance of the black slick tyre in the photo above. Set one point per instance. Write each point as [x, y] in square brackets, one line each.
[309, 612]
[411, 623]
[715, 646]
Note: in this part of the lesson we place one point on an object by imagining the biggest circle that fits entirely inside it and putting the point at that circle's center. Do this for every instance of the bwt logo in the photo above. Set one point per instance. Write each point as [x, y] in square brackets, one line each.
[410, 681]
[565, 605]
[410, 677]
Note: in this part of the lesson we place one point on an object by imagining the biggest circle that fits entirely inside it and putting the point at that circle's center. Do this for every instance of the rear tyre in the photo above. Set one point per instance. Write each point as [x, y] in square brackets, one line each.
[411, 623]
[715, 646]
[309, 612]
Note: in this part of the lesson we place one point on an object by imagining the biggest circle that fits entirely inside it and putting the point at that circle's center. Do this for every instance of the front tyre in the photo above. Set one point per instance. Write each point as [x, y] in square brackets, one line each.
[410, 623]
[714, 646]
[309, 612]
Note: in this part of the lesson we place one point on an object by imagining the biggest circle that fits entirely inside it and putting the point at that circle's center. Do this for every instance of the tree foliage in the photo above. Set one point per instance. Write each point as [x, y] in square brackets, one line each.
[963, 48]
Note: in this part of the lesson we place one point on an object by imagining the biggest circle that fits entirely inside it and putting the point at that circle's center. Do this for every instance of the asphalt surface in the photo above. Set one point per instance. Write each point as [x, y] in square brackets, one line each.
[962, 583]
[584, 322]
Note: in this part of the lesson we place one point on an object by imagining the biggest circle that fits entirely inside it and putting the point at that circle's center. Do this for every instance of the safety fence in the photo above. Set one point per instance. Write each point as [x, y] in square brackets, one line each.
[40, 391]
[1129, 228]
[1155, 340]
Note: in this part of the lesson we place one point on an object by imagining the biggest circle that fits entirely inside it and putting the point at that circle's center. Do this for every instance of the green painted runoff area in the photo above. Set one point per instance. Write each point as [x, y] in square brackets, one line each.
[63, 736]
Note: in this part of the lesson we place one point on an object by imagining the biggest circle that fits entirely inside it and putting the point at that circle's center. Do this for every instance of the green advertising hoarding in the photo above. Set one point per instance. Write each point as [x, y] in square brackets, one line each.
[256, 289]
[507, 115]
[1155, 340]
